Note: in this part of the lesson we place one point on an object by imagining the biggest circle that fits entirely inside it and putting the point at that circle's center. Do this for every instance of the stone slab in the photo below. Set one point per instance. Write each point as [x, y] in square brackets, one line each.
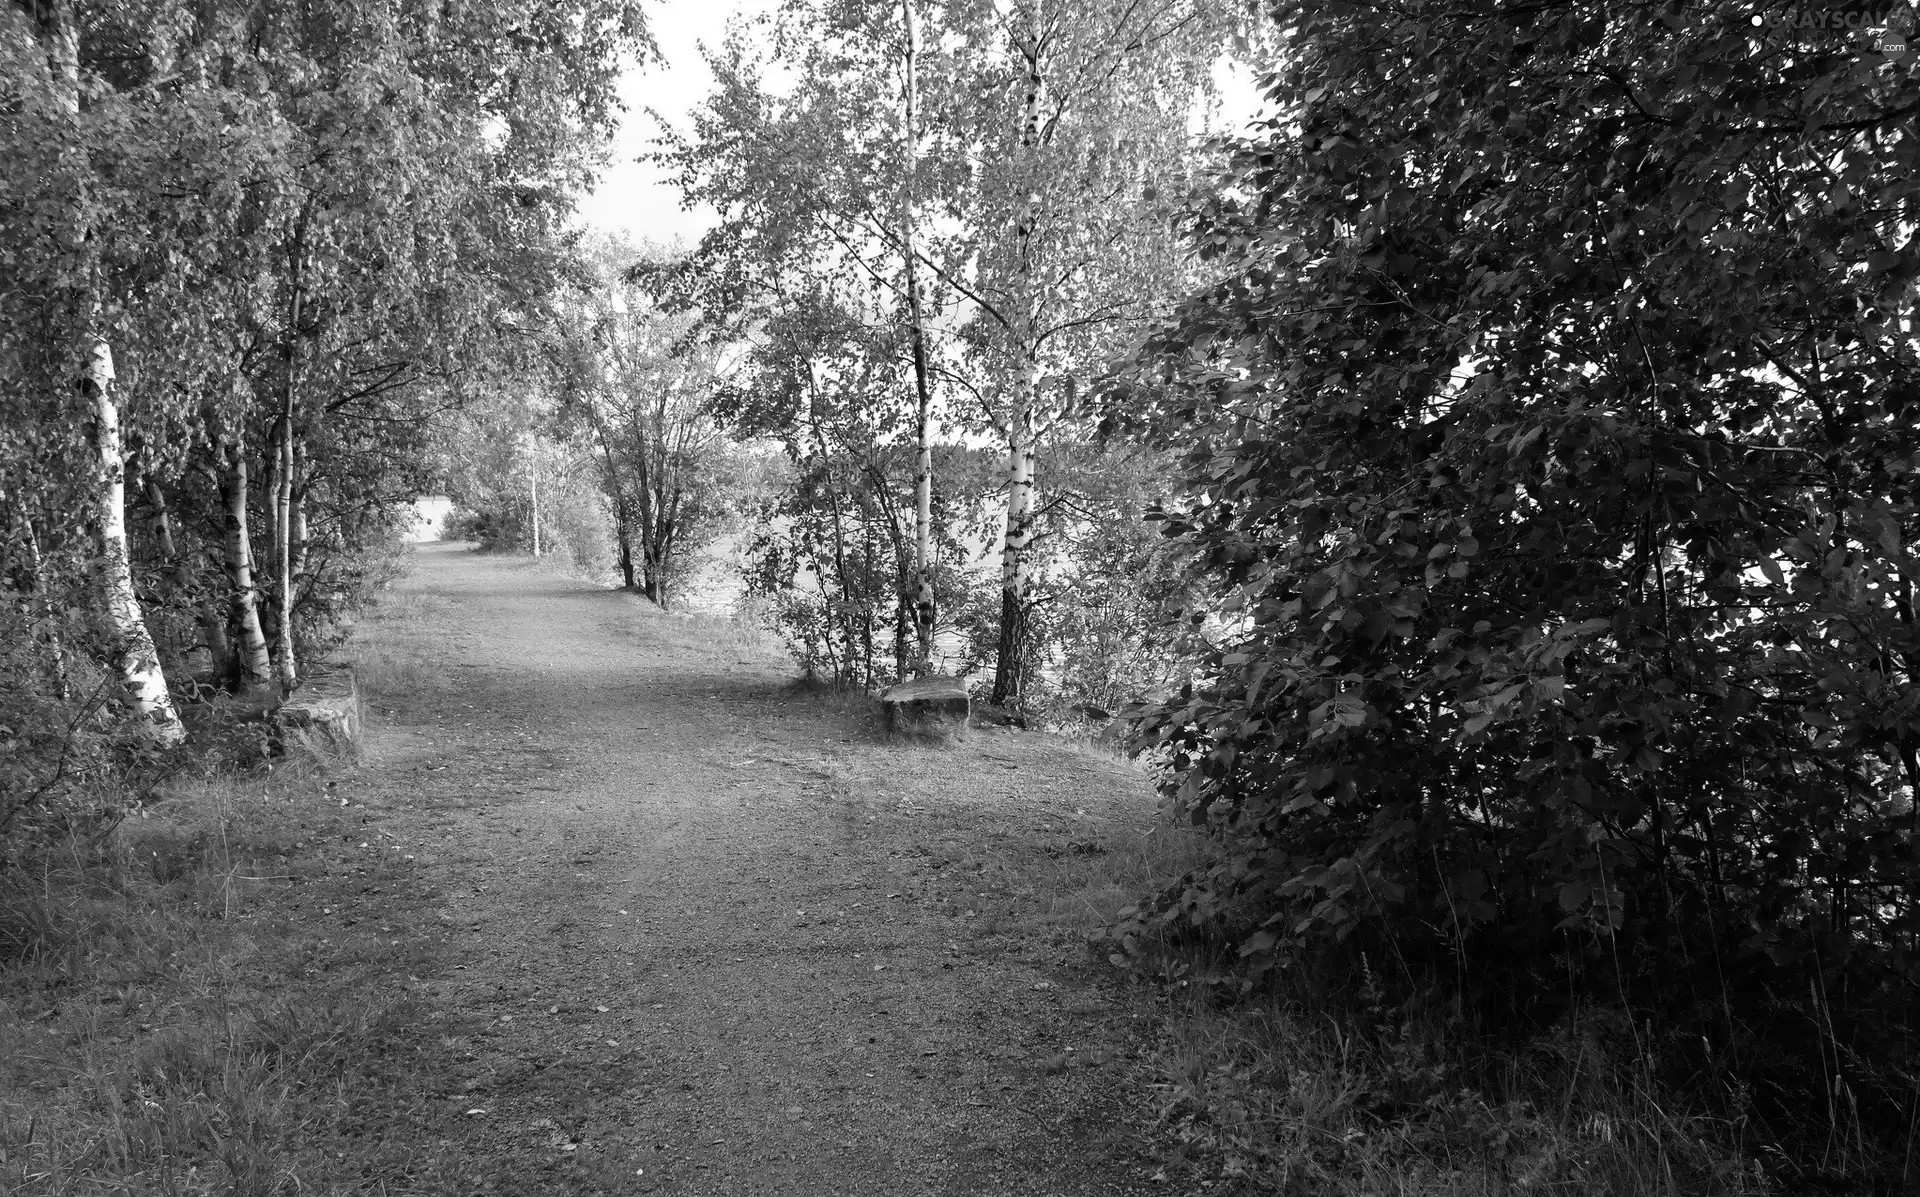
[932, 708]
[326, 707]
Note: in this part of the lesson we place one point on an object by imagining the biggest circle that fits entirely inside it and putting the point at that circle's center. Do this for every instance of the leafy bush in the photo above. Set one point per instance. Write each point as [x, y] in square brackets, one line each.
[1553, 463]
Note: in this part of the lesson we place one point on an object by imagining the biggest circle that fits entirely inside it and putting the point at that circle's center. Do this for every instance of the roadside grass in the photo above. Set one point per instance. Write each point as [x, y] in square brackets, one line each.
[1257, 1091]
[727, 632]
[183, 1008]
[397, 647]
[170, 1023]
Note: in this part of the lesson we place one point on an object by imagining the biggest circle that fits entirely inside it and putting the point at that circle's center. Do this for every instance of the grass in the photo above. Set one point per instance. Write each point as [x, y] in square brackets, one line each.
[398, 648]
[169, 1025]
[1257, 1090]
[727, 632]
[1308, 1087]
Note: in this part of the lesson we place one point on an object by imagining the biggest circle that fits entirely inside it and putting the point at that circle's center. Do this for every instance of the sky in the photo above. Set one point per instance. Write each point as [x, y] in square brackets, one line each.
[633, 196]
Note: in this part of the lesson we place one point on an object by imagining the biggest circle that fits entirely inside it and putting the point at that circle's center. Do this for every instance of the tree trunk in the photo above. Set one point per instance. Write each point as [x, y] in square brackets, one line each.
[131, 648]
[1010, 670]
[256, 669]
[42, 615]
[284, 669]
[534, 486]
[163, 528]
[919, 599]
[654, 583]
[626, 556]
[299, 546]
[179, 578]
[1009, 681]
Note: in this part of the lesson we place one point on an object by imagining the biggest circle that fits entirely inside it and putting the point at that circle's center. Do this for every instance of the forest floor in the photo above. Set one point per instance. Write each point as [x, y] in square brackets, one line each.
[606, 904]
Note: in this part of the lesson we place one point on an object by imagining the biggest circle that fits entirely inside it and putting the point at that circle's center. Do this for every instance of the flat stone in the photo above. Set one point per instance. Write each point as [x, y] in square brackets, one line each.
[325, 708]
[932, 708]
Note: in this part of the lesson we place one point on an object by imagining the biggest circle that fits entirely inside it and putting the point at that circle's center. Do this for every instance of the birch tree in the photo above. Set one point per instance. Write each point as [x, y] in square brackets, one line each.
[839, 181]
[1078, 135]
[131, 648]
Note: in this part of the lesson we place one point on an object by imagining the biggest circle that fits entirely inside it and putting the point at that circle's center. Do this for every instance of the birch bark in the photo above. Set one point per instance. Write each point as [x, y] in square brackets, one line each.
[284, 670]
[920, 599]
[130, 648]
[256, 669]
[1010, 665]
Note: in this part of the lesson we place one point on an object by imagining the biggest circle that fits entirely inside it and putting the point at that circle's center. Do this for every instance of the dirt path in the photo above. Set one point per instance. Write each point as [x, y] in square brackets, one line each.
[694, 933]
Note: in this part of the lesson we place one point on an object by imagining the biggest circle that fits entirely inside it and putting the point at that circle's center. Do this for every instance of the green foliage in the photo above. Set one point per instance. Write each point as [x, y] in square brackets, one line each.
[303, 234]
[1104, 583]
[832, 547]
[1553, 464]
[1032, 195]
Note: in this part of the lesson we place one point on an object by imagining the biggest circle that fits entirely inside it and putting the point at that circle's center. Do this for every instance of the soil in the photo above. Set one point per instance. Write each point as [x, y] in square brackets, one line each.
[678, 926]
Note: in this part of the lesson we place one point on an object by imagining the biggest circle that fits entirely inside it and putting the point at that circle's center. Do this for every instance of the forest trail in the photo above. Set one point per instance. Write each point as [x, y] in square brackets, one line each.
[685, 930]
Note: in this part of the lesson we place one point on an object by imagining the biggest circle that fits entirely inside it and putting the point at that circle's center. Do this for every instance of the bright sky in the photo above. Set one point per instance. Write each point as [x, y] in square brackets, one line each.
[634, 196]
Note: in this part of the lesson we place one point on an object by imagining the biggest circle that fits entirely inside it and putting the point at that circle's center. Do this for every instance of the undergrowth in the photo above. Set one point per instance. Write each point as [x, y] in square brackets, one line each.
[1265, 1093]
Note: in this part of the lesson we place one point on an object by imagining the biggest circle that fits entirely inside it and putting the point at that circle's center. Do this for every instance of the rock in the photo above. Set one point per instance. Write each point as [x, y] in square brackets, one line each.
[325, 709]
[931, 708]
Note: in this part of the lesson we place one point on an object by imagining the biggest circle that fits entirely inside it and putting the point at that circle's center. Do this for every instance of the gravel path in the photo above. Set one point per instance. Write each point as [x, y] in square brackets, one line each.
[699, 934]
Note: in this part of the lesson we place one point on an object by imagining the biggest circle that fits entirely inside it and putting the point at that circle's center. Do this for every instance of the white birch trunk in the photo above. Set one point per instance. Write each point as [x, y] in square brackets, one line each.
[1021, 466]
[256, 669]
[920, 601]
[131, 646]
[132, 649]
[1010, 663]
[284, 670]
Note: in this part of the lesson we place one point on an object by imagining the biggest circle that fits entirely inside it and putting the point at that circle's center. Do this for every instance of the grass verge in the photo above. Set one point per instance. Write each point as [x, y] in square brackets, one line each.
[225, 994]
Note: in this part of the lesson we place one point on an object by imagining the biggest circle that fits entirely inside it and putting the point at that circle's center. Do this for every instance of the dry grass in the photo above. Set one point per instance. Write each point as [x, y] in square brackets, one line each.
[724, 633]
[398, 648]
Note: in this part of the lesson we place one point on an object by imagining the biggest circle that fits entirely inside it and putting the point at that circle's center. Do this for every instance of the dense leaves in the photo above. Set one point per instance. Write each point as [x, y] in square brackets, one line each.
[1554, 428]
[270, 244]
